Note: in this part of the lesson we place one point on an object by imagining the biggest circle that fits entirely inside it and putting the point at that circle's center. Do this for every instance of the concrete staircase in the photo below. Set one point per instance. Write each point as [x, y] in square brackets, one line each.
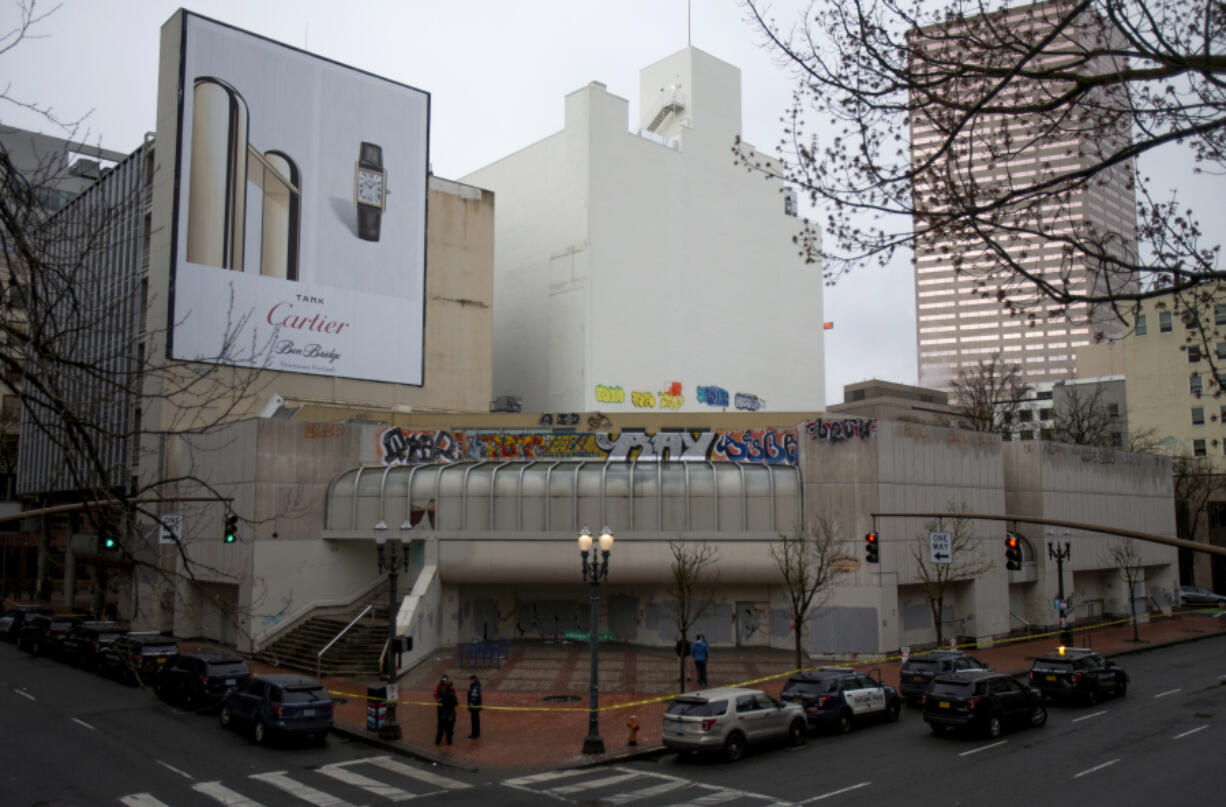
[356, 654]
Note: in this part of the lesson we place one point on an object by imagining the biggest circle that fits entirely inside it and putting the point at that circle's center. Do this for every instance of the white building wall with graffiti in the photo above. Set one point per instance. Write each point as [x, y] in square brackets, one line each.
[642, 270]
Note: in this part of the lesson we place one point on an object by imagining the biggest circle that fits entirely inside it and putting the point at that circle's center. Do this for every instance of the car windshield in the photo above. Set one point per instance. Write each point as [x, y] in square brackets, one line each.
[802, 687]
[950, 689]
[698, 708]
[236, 667]
[303, 694]
[922, 665]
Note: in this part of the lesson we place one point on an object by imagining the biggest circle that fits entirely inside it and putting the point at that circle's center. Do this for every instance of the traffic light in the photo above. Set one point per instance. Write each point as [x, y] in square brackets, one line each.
[871, 548]
[231, 533]
[109, 543]
[1013, 553]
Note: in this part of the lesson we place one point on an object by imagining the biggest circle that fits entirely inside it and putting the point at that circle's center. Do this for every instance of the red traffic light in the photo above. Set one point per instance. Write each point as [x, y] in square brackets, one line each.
[1011, 542]
[871, 538]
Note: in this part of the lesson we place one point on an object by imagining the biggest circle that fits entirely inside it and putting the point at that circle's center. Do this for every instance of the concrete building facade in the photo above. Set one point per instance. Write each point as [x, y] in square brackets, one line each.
[642, 270]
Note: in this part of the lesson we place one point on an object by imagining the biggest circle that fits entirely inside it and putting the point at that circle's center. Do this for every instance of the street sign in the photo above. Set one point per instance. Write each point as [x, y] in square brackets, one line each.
[393, 692]
[1059, 605]
[170, 531]
[906, 653]
[941, 547]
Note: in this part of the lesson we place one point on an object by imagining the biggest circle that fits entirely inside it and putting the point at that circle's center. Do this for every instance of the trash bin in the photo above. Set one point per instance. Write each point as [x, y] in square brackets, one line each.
[376, 707]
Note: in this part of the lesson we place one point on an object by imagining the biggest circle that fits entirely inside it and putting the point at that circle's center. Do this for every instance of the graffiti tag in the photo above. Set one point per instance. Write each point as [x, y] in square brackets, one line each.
[401, 448]
[713, 396]
[606, 394]
[745, 400]
[833, 431]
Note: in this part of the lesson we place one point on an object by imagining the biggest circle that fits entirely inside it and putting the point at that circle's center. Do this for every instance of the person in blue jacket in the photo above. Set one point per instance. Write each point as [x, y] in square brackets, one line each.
[700, 651]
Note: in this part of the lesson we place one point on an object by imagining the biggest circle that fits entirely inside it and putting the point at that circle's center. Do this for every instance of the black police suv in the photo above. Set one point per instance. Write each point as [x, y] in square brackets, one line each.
[84, 644]
[835, 698]
[201, 679]
[137, 657]
[41, 634]
[918, 671]
[1075, 673]
[982, 701]
[283, 704]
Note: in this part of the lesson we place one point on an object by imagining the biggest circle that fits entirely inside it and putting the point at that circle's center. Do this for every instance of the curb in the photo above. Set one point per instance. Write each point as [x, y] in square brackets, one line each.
[400, 748]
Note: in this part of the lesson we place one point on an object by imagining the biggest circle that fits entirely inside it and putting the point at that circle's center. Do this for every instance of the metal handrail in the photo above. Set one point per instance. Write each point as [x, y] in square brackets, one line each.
[319, 657]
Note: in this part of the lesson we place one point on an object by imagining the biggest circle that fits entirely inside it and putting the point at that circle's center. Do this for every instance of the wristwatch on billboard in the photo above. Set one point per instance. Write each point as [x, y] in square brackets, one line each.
[369, 190]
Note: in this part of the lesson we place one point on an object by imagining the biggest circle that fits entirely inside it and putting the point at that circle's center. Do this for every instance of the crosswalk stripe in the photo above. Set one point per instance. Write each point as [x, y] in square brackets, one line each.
[281, 780]
[220, 793]
[547, 776]
[389, 764]
[340, 772]
[142, 800]
[647, 792]
[718, 797]
[592, 784]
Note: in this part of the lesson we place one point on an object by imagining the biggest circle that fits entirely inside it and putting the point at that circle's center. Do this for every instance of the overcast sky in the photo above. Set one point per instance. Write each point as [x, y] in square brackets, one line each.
[497, 72]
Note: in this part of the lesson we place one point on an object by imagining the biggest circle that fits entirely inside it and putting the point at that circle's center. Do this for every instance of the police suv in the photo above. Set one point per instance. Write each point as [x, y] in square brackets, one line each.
[836, 697]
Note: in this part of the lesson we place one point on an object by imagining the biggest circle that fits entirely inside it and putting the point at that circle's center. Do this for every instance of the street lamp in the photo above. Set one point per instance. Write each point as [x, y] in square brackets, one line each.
[593, 573]
[394, 561]
[1059, 554]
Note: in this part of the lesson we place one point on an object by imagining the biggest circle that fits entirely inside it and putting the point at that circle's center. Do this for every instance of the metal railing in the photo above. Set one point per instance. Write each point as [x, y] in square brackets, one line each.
[319, 657]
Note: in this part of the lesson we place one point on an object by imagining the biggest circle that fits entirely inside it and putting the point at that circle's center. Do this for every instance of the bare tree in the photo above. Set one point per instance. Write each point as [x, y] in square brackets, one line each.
[806, 562]
[986, 397]
[1125, 555]
[998, 86]
[967, 561]
[1083, 417]
[689, 600]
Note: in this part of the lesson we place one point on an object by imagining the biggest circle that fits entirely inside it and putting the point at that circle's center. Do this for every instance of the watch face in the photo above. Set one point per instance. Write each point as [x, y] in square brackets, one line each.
[370, 188]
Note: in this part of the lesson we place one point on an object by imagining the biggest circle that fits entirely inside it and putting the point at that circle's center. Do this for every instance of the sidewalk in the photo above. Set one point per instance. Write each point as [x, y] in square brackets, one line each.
[536, 714]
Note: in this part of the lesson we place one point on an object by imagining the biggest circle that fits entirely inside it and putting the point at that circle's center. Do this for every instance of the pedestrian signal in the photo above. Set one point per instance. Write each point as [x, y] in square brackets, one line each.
[871, 548]
[1013, 553]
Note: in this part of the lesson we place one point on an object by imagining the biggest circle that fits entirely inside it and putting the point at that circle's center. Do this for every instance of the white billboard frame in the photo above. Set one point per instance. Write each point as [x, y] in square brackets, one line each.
[299, 225]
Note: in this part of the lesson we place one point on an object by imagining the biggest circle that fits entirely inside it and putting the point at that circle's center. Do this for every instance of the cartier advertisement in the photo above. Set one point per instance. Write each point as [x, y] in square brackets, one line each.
[300, 211]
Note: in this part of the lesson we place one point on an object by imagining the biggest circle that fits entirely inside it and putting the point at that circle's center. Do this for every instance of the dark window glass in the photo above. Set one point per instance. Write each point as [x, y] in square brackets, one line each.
[1195, 385]
[950, 689]
[1219, 315]
[1198, 416]
[698, 708]
[304, 694]
[1198, 448]
[1193, 353]
[227, 668]
[1142, 329]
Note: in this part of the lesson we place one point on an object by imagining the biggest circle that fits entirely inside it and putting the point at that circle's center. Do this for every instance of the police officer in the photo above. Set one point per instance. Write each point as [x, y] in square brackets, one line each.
[474, 706]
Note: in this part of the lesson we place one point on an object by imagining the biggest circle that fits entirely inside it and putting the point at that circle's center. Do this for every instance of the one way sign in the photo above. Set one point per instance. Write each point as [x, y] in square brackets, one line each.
[941, 547]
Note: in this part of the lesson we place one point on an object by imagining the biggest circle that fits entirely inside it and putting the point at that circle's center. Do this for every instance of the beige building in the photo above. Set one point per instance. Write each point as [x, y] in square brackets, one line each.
[892, 401]
[960, 320]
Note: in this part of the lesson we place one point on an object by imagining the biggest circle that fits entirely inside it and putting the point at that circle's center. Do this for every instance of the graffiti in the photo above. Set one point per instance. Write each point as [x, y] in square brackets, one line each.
[671, 401]
[402, 448]
[643, 400]
[749, 402]
[559, 419]
[713, 396]
[768, 446]
[977, 438]
[674, 389]
[317, 431]
[833, 431]
[597, 421]
[606, 394]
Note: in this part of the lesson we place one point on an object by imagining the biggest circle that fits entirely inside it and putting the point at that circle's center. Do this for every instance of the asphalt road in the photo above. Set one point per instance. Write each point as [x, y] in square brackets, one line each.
[70, 738]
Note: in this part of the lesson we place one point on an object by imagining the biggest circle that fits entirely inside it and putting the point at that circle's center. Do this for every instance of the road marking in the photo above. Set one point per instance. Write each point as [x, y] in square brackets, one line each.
[220, 793]
[718, 797]
[83, 723]
[1190, 731]
[835, 793]
[1095, 768]
[647, 792]
[981, 748]
[544, 777]
[389, 764]
[142, 800]
[281, 780]
[1087, 717]
[339, 772]
[1169, 692]
[593, 783]
[25, 694]
[168, 766]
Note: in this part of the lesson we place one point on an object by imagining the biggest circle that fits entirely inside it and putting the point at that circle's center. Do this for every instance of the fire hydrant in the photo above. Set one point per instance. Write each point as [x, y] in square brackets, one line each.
[633, 726]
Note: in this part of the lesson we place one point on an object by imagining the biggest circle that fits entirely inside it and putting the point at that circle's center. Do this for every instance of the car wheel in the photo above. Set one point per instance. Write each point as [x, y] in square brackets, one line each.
[892, 711]
[734, 747]
[1123, 690]
[260, 732]
[1092, 697]
[321, 738]
[1038, 715]
[226, 717]
[796, 733]
[937, 728]
[993, 726]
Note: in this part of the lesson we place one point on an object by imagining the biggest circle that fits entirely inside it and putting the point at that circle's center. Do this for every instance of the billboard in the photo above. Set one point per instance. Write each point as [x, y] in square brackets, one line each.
[300, 211]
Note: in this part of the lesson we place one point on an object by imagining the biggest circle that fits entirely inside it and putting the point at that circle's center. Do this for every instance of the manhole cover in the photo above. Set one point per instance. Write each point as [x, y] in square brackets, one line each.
[561, 698]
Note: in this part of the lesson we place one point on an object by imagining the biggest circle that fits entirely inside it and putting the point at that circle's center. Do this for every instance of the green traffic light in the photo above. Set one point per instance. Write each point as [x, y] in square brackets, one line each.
[109, 543]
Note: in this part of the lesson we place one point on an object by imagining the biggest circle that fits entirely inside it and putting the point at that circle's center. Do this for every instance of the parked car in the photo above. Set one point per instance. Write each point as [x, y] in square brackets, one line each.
[1076, 673]
[83, 645]
[41, 634]
[981, 700]
[730, 719]
[137, 657]
[201, 679]
[284, 704]
[918, 671]
[16, 616]
[1199, 595]
[835, 697]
